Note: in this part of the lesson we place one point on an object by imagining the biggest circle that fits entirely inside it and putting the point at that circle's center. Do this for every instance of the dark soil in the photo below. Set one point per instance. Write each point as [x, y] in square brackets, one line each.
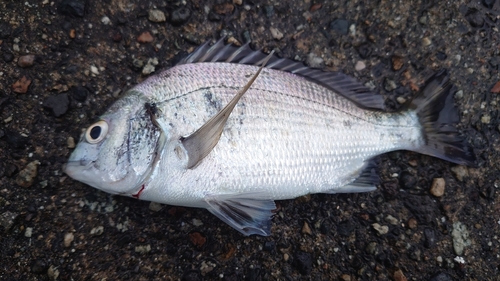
[86, 53]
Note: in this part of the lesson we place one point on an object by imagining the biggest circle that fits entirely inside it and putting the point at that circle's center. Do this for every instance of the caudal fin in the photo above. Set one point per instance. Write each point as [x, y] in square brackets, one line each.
[438, 116]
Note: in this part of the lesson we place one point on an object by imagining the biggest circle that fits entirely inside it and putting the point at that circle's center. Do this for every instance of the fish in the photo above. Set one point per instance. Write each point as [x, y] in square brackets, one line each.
[231, 130]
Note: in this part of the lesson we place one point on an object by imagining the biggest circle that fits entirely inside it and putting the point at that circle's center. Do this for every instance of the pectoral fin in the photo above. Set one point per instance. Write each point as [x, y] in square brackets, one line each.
[202, 141]
[245, 212]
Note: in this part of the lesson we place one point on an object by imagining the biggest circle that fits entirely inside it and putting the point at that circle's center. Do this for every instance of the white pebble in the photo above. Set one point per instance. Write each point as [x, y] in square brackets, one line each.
[360, 65]
[68, 239]
[105, 20]
[97, 230]
[94, 70]
[28, 232]
[276, 33]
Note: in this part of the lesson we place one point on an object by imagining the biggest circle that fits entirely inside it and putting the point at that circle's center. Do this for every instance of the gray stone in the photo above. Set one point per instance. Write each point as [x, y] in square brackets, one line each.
[156, 15]
[460, 236]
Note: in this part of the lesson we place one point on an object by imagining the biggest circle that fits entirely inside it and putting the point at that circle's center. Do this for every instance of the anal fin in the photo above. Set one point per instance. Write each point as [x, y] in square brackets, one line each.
[244, 212]
[366, 181]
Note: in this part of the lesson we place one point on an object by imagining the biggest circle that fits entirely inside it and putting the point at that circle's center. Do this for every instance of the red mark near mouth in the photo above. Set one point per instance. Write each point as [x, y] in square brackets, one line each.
[139, 193]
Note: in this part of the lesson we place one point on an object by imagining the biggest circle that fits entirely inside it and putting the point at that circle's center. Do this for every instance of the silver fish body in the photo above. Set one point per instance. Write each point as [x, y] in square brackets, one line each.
[287, 136]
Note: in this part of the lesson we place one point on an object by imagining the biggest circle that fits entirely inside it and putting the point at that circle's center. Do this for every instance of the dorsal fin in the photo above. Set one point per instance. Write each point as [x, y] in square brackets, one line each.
[338, 82]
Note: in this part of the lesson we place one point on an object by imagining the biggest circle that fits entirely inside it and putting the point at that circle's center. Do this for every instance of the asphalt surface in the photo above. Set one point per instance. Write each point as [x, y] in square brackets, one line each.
[62, 63]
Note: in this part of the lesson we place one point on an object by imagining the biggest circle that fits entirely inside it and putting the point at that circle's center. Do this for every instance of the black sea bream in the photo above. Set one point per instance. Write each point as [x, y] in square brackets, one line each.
[194, 136]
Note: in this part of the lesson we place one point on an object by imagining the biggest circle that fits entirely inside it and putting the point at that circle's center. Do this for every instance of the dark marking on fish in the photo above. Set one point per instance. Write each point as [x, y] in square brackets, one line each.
[211, 102]
[152, 110]
[347, 123]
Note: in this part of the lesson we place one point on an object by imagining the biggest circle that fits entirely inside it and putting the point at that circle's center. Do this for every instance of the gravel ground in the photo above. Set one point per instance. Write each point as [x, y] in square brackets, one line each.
[63, 62]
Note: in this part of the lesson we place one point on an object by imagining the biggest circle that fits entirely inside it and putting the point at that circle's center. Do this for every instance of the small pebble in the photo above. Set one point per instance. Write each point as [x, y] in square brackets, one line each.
[7, 219]
[96, 231]
[426, 41]
[142, 249]
[439, 259]
[238, 2]
[156, 15]
[207, 267]
[21, 86]
[79, 93]
[306, 229]
[485, 119]
[346, 277]
[286, 257]
[496, 88]
[70, 142]
[180, 15]
[392, 220]
[303, 262]
[314, 61]
[399, 276]
[155, 207]
[145, 37]
[381, 229]
[412, 223]
[460, 172]
[269, 11]
[26, 177]
[53, 273]
[389, 85]
[68, 239]
[401, 100]
[276, 33]
[224, 9]
[150, 66]
[315, 7]
[94, 70]
[105, 20]
[58, 104]
[26, 61]
[360, 65]
[197, 239]
[340, 25]
[460, 236]
[372, 248]
[28, 232]
[437, 188]
[197, 222]
[397, 62]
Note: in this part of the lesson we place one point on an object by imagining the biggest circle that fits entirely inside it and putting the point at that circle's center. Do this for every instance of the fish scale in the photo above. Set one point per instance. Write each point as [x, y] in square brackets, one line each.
[233, 137]
[292, 120]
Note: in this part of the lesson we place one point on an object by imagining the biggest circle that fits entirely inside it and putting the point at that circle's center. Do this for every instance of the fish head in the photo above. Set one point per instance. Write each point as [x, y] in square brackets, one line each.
[117, 153]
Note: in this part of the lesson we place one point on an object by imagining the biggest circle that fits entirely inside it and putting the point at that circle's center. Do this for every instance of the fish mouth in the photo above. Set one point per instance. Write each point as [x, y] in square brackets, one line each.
[72, 168]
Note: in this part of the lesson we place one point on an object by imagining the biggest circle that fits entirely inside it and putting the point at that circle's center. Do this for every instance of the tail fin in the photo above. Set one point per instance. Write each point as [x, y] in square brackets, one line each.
[438, 117]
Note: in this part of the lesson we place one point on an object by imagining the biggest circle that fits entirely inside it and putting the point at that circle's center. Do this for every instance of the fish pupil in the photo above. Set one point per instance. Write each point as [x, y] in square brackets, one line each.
[95, 132]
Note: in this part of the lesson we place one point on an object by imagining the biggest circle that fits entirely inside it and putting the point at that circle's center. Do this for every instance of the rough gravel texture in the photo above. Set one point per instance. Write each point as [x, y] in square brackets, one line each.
[86, 53]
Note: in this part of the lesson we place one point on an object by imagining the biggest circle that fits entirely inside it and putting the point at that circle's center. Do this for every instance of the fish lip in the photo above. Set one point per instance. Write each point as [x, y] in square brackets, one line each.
[76, 164]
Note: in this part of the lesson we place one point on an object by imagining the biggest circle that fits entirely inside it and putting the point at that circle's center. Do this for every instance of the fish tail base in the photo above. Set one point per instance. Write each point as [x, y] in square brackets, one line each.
[438, 116]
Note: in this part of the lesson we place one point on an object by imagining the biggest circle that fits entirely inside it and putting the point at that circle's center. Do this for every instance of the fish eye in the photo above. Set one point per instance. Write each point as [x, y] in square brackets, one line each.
[96, 132]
